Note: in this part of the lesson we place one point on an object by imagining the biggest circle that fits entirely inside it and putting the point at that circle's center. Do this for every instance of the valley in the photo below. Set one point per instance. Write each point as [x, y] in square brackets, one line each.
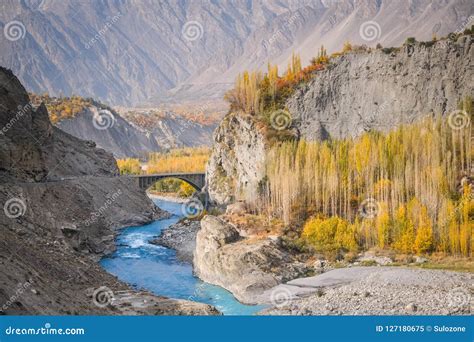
[340, 185]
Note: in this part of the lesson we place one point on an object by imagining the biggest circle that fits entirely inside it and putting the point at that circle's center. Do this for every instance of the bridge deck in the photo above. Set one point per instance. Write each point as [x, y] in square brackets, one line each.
[172, 174]
[195, 179]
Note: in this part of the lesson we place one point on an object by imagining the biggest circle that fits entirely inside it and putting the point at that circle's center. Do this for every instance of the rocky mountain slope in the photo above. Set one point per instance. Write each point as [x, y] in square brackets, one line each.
[61, 208]
[126, 135]
[358, 92]
[131, 52]
[173, 130]
[116, 136]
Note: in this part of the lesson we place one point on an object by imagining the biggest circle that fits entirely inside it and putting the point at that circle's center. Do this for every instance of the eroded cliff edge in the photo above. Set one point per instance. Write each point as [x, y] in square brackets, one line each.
[359, 91]
[61, 208]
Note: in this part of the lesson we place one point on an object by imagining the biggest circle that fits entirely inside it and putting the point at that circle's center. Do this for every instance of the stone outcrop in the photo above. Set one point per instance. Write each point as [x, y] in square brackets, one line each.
[181, 237]
[246, 268]
[381, 90]
[61, 207]
[32, 149]
[237, 162]
[359, 91]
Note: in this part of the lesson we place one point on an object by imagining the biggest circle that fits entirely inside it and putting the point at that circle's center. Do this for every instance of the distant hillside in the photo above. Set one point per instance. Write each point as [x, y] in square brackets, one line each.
[138, 52]
[135, 133]
[172, 129]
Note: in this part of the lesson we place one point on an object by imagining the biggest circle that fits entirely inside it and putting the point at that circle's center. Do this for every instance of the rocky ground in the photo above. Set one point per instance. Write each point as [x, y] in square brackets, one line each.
[244, 266]
[261, 271]
[180, 237]
[61, 207]
[375, 291]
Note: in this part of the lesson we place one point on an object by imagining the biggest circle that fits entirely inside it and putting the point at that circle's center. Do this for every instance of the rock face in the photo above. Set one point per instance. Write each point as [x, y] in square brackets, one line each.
[358, 92]
[122, 139]
[379, 90]
[61, 208]
[31, 149]
[246, 268]
[125, 139]
[181, 237]
[170, 51]
[236, 165]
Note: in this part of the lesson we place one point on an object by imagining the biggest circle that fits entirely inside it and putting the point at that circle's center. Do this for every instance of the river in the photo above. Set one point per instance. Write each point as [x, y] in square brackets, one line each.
[157, 269]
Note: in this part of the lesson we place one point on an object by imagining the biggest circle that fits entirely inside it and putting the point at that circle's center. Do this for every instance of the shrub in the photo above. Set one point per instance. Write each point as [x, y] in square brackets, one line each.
[330, 235]
[410, 41]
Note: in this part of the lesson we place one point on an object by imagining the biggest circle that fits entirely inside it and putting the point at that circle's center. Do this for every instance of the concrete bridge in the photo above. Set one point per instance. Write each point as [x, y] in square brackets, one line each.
[196, 180]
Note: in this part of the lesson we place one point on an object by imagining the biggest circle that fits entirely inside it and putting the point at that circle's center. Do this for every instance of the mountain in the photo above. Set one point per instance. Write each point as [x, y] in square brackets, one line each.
[359, 91]
[133, 133]
[139, 52]
[54, 189]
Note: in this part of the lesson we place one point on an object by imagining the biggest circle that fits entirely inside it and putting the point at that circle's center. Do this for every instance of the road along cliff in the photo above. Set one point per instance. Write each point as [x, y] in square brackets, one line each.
[61, 208]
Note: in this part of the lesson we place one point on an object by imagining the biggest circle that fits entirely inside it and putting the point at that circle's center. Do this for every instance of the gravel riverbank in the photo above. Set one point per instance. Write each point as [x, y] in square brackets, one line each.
[180, 237]
[375, 291]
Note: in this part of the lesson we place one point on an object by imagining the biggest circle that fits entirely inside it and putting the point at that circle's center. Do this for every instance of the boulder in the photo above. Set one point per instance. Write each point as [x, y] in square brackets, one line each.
[245, 267]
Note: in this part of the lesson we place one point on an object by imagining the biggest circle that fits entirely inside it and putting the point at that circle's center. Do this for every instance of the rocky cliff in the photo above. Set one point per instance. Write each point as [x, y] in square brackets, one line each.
[235, 167]
[61, 207]
[383, 89]
[246, 268]
[359, 91]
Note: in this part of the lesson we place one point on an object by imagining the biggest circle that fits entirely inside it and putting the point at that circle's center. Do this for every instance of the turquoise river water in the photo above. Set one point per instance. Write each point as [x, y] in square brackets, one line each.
[156, 268]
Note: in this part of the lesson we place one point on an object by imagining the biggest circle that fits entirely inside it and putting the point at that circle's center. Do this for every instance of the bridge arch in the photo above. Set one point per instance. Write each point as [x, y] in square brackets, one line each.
[196, 180]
